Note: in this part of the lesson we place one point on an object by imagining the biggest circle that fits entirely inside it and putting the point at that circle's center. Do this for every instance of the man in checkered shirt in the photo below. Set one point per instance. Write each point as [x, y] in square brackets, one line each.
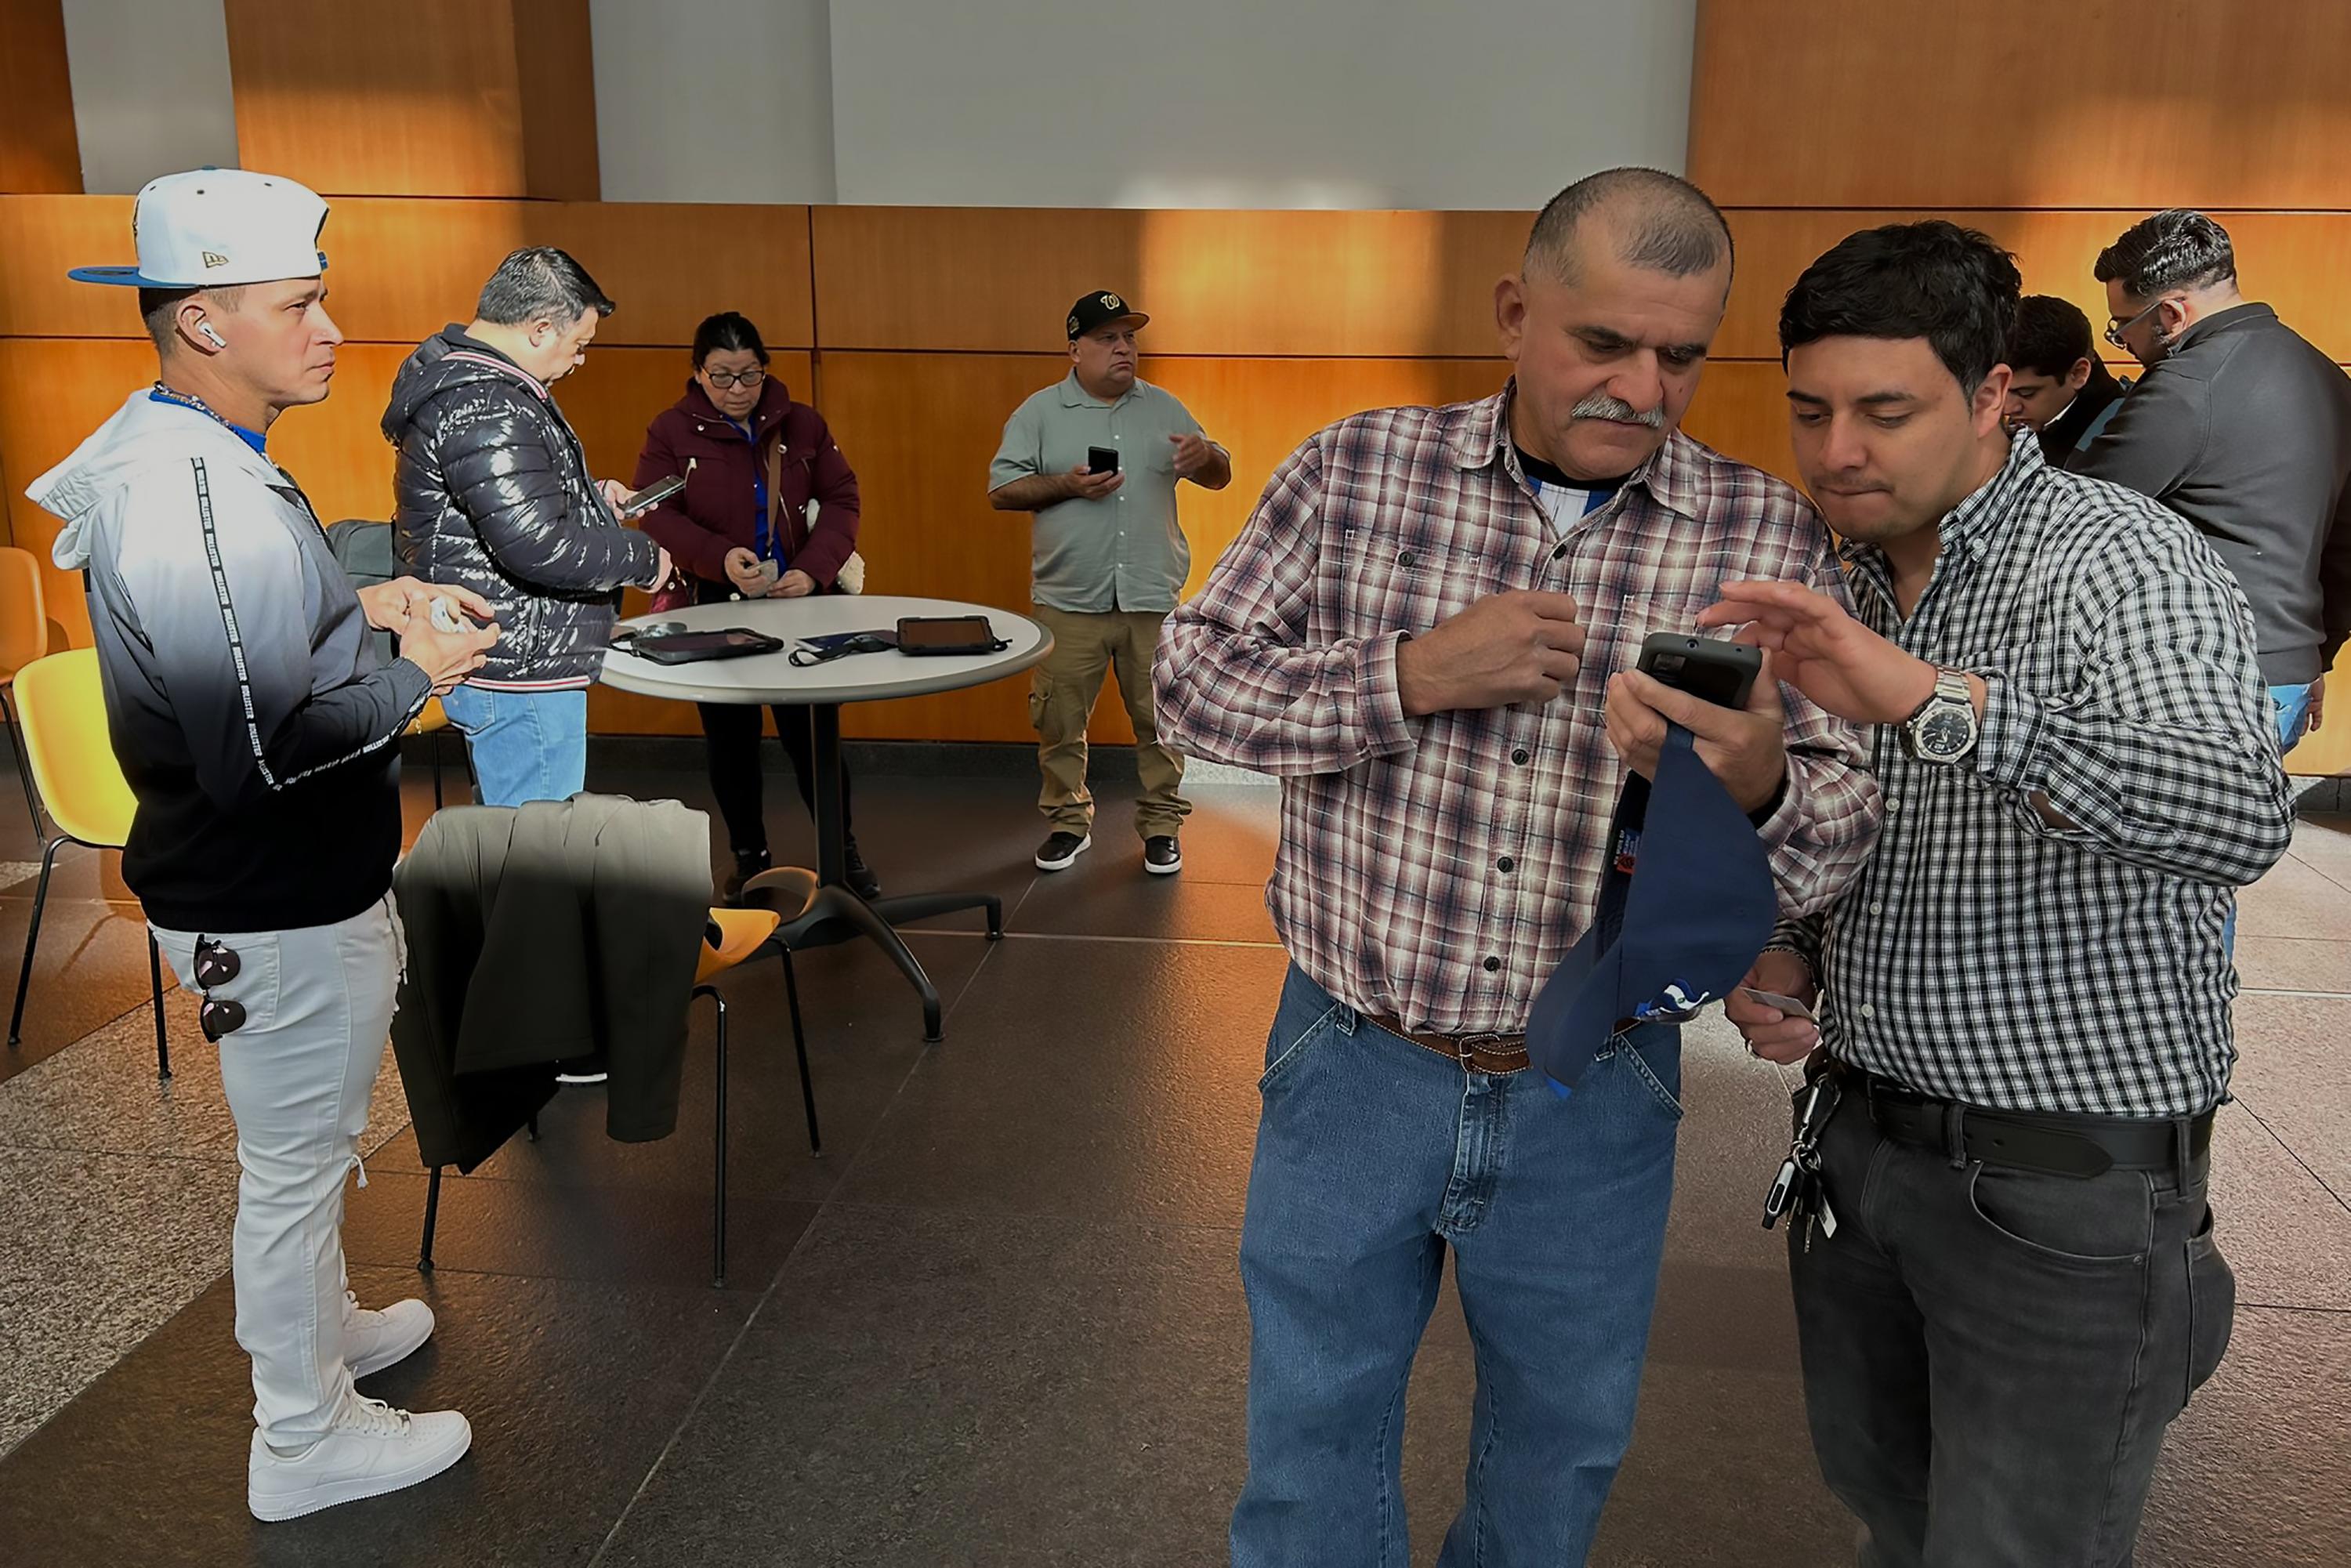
[1426, 631]
[2011, 1288]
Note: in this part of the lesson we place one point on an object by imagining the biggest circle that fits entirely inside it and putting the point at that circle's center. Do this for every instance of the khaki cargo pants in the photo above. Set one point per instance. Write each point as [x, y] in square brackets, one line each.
[1062, 693]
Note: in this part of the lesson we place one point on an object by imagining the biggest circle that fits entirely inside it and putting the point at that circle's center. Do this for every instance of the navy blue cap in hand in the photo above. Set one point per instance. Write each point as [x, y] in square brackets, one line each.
[1685, 904]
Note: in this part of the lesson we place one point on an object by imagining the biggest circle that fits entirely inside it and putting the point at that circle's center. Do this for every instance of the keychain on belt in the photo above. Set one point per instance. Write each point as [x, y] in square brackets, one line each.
[1797, 1190]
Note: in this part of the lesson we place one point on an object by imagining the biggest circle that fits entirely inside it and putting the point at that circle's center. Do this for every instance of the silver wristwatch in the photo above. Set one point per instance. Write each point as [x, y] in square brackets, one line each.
[1944, 729]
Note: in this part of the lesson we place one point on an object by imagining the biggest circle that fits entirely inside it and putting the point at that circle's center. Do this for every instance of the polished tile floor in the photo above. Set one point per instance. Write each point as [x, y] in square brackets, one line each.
[997, 1321]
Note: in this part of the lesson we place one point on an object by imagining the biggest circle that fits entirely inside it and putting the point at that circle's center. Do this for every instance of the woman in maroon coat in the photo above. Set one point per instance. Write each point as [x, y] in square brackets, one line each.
[769, 510]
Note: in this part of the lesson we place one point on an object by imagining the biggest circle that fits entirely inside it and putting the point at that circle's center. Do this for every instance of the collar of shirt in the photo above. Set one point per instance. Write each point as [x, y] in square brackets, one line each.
[1963, 527]
[1074, 394]
[1484, 437]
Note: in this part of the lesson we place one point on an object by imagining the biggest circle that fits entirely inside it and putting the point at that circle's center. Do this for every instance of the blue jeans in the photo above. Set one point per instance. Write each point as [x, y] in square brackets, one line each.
[2292, 705]
[1374, 1155]
[525, 745]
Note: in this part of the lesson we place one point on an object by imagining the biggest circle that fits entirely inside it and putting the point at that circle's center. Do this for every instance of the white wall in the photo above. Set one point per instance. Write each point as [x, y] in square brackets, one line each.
[713, 101]
[151, 89]
[1252, 103]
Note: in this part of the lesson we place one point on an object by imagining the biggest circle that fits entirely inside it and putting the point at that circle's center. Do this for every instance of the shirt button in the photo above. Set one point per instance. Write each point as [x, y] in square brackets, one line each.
[1492, 964]
[1519, 757]
[1875, 907]
[1506, 863]
[1868, 1011]
[1892, 804]
[1559, 554]
[1404, 557]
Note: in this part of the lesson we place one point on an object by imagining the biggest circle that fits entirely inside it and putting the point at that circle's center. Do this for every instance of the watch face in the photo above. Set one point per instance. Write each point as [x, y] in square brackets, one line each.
[1946, 732]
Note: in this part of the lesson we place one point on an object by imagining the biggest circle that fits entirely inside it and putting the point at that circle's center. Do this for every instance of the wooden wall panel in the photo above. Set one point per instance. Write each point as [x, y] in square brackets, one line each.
[920, 430]
[451, 98]
[2295, 262]
[52, 394]
[1378, 285]
[38, 148]
[398, 270]
[2019, 103]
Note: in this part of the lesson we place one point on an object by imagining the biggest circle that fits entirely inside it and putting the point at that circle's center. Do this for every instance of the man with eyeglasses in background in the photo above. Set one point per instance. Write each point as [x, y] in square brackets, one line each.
[2243, 428]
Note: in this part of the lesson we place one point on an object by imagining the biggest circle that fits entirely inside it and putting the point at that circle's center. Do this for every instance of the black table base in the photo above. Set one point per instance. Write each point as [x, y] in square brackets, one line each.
[835, 913]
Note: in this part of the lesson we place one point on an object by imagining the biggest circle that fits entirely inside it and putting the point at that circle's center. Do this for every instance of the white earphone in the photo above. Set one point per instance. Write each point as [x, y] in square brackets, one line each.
[206, 328]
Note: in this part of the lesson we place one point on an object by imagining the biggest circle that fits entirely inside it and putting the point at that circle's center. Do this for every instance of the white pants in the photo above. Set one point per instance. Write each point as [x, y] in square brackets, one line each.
[298, 1075]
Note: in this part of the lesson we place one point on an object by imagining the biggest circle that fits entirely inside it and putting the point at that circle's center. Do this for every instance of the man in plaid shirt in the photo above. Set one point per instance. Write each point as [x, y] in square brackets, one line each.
[2011, 1287]
[1426, 632]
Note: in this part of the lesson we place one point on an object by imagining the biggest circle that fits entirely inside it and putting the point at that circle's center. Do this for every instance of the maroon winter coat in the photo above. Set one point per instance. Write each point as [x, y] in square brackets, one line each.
[714, 512]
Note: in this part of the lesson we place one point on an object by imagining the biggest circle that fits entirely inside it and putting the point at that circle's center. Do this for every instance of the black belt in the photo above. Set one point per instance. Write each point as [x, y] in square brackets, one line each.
[2060, 1143]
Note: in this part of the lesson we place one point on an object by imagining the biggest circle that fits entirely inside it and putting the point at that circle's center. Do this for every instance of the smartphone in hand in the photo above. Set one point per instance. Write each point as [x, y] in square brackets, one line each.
[1102, 459]
[1722, 672]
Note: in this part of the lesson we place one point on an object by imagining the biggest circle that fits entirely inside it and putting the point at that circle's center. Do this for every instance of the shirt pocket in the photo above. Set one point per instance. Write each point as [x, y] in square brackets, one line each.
[1411, 580]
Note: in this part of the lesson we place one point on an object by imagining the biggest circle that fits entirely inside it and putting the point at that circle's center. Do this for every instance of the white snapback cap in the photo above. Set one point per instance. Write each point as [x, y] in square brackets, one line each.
[214, 227]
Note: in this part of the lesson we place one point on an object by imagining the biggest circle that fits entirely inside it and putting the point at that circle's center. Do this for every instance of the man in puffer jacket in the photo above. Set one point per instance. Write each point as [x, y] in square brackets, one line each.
[493, 494]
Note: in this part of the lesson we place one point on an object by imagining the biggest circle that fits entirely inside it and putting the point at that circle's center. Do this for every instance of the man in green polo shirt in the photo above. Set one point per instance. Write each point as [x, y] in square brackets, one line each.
[1109, 562]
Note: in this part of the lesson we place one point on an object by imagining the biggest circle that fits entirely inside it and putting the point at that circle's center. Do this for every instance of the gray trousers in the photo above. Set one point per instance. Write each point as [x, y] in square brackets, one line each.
[1991, 1355]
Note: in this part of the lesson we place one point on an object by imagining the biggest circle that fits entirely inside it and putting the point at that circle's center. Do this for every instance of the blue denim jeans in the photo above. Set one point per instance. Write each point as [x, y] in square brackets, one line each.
[525, 745]
[1374, 1155]
[2292, 705]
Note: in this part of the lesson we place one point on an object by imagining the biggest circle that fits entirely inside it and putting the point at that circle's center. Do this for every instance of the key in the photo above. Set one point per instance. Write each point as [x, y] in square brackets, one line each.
[1812, 1223]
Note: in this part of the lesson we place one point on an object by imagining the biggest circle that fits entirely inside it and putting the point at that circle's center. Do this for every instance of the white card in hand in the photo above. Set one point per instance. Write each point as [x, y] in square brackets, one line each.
[1787, 1005]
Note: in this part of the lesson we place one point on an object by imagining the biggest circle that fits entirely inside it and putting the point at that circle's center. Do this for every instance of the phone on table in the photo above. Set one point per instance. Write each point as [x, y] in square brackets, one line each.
[1102, 460]
[652, 495]
[1721, 673]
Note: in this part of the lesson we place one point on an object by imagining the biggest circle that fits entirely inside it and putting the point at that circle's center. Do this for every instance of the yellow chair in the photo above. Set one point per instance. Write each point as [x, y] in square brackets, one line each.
[732, 937]
[61, 709]
[24, 637]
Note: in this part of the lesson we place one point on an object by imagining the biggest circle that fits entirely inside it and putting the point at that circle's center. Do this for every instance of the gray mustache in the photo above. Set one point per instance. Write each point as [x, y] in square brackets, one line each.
[1600, 405]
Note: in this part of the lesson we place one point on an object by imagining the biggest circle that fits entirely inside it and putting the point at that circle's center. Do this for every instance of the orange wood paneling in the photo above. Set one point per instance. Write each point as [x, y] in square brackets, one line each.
[1380, 285]
[2296, 262]
[52, 396]
[38, 148]
[2020, 103]
[399, 269]
[1741, 411]
[448, 98]
[920, 430]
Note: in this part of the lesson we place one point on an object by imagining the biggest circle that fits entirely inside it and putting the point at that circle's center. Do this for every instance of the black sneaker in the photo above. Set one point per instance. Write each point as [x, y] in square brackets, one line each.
[1061, 850]
[1162, 855]
[861, 875]
[748, 863]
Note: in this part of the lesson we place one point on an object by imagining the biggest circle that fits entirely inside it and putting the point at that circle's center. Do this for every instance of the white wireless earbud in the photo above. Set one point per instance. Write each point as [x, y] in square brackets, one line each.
[206, 328]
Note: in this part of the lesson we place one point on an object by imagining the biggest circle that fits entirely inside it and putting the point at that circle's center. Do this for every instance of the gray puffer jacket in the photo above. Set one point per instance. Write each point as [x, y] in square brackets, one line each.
[493, 494]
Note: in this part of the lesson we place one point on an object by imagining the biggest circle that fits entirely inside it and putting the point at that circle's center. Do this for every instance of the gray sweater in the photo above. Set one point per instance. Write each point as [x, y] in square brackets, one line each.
[2244, 429]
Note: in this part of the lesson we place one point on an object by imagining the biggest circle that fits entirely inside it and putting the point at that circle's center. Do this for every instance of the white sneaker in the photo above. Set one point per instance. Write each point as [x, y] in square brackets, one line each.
[374, 1340]
[372, 1449]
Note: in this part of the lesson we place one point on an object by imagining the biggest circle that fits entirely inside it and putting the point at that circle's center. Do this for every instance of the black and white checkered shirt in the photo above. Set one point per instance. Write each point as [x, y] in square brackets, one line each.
[1987, 956]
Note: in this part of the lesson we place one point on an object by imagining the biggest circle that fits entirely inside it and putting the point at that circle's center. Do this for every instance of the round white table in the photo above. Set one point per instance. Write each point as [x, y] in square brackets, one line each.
[837, 913]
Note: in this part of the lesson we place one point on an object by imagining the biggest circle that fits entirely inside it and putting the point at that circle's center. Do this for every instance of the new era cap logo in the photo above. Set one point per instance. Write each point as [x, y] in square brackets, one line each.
[213, 258]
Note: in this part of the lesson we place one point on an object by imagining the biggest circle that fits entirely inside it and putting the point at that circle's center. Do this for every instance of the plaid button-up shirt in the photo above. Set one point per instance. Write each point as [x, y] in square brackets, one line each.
[1437, 868]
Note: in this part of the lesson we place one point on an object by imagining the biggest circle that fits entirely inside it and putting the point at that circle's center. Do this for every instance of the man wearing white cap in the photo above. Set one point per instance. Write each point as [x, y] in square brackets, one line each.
[257, 731]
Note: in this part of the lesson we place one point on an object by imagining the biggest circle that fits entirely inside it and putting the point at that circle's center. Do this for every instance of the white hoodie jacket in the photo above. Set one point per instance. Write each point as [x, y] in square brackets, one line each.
[248, 708]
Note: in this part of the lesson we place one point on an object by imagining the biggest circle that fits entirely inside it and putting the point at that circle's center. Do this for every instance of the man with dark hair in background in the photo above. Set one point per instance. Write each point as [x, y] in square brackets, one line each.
[2244, 429]
[2057, 386]
[1415, 633]
[2005, 1279]
[494, 494]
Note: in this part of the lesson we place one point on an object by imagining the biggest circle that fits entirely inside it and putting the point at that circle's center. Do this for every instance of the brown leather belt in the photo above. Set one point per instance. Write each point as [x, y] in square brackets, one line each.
[1494, 1053]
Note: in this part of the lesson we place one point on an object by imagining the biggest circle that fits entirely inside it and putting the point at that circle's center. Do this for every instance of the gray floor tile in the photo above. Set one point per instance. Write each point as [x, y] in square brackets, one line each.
[2294, 964]
[2295, 899]
[96, 1252]
[2291, 1069]
[573, 1389]
[2288, 1238]
[1087, 1079]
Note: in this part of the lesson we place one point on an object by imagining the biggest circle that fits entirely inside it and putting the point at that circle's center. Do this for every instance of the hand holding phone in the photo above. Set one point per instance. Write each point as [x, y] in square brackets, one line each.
[652, 495]
[1722, 672]
[1088, 483]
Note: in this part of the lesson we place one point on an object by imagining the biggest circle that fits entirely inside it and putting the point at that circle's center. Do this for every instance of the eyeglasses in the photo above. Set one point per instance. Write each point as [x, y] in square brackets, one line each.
[721, 381]
[2116, 325]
